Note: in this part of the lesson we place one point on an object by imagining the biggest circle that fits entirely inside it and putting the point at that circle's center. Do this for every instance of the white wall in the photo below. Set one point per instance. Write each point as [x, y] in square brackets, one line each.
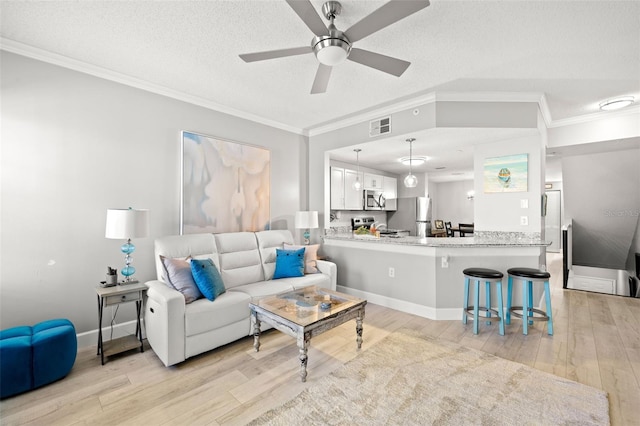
[450, 202]
[502, 211]
[74, 145]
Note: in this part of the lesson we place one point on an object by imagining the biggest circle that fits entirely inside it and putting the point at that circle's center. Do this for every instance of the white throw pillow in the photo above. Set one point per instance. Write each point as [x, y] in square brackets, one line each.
[310, 256]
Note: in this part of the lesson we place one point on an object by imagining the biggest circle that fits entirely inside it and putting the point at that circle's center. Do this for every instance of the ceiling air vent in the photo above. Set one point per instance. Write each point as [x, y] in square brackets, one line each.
[382, 126]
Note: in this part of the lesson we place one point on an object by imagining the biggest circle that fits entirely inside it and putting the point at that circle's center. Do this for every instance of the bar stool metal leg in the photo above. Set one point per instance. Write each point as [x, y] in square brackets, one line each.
[500, 307]
[509, 294]
[476, 285]
[488, 300]
[548, 303]
[525, 307]
[466, 300]
[530, 307]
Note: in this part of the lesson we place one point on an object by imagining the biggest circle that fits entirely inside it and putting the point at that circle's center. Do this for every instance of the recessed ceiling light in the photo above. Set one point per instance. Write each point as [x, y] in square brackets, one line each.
[415, 161]
[616, 103]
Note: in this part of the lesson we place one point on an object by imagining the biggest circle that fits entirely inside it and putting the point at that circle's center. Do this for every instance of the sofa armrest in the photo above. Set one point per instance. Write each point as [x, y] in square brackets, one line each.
[329, 268]
[164, 322]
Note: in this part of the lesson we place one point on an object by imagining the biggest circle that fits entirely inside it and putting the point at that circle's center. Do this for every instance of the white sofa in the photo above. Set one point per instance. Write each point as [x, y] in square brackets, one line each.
[246, 261]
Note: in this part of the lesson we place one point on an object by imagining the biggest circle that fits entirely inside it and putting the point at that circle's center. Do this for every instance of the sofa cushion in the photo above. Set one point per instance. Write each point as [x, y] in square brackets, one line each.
[207, 278]
[239, 258]
[265, 288]
[289, 263]
[177, 273]
[268, 242]
[310, 256]
[198, 246]
[203, 315]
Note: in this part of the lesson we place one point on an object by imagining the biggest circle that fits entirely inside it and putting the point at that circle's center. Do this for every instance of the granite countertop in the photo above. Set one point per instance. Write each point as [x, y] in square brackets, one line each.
[480, 239]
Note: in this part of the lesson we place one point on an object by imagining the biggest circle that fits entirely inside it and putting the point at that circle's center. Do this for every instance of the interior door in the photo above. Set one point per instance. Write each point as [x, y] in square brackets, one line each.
[553, 221]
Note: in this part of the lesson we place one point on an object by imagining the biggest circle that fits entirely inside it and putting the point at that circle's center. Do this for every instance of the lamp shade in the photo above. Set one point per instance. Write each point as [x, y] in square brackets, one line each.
[306, 220]
[127, 223]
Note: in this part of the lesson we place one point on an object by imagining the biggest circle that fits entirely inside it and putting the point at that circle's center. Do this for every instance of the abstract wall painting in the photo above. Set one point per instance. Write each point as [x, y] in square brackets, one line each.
[225, 186]
[506, 174]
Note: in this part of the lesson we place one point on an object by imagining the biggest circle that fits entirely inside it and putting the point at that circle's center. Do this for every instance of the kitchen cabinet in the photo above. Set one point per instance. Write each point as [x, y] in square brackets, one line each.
[343, 196]
[390, 191]
[337, 188]
[373, 182]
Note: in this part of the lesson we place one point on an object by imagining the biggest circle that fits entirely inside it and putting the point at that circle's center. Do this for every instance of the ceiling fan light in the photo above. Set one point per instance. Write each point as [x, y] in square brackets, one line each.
[410, 181]
[331, 49]
[616, 103]
[331, 55]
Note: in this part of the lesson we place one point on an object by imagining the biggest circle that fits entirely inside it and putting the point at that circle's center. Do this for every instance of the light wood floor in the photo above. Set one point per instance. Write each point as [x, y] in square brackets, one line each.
[596, 342]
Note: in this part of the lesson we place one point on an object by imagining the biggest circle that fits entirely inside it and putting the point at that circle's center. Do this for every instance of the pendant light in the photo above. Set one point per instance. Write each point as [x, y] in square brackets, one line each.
[411, 180]
[357, 185]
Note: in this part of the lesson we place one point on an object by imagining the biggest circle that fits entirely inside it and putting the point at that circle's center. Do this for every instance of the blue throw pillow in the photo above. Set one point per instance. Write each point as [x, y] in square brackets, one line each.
[289, 263]
[207, 278]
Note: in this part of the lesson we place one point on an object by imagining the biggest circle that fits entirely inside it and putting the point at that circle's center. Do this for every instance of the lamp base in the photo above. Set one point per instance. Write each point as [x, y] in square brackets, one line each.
[124, 282]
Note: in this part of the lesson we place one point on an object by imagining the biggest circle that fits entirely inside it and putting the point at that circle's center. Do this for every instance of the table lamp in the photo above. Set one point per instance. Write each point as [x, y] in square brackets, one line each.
[306, 221]
[127, 224]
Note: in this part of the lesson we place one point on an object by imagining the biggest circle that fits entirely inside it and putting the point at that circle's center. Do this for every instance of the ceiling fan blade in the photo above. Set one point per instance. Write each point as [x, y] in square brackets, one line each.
[322, 79]
[380, 62]
[273, 54]
[387, 14]
[304, 9]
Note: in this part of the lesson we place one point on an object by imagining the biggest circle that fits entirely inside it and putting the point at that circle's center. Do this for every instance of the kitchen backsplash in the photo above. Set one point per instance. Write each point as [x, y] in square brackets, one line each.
[342, 218]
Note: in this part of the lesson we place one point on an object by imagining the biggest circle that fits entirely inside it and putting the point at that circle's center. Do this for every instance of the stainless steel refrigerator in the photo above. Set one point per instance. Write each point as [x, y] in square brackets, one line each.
[413, 215]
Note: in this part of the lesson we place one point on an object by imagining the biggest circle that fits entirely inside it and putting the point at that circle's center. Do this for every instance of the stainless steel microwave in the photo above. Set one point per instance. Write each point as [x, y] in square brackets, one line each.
[374, 200]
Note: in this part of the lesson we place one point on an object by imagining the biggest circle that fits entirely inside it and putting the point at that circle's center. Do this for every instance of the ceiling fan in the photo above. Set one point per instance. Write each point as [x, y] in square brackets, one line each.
[332, 46]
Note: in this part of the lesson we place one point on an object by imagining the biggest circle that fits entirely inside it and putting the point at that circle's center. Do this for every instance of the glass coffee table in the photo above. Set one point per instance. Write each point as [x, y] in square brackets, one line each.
[305, 313]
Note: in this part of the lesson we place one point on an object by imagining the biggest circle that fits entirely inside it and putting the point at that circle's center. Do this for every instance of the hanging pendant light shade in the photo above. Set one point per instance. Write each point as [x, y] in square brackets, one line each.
[410, 181]
[357, 185]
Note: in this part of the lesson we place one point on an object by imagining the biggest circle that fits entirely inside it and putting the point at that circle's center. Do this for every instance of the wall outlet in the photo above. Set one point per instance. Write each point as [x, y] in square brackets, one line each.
[524, 204]
[524, 220]
[392, 272]
[445, 261]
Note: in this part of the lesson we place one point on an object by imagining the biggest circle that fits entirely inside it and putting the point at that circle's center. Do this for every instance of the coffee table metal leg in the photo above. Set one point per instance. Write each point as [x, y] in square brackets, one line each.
[359, 319]
[303, 344]
[256, 330]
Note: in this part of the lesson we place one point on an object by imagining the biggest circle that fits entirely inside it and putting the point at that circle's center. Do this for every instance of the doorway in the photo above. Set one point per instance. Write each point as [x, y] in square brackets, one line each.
[553, 221]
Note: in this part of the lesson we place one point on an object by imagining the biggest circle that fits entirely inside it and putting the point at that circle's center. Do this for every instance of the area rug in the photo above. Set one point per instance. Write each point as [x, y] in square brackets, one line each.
[411, 380]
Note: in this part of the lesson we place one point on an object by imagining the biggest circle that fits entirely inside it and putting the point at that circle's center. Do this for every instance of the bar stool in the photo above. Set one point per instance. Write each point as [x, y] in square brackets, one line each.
[488, 276]
[529, 276]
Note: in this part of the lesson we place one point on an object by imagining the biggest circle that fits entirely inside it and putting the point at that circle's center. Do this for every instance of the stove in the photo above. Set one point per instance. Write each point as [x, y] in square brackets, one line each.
[366, 222]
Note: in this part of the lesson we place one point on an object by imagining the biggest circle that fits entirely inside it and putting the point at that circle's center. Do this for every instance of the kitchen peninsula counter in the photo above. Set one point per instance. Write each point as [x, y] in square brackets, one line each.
[423, 276]
[490, 239]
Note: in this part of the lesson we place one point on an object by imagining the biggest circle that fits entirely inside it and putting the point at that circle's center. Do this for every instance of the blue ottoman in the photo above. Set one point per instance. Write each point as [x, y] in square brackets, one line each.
[31, 357]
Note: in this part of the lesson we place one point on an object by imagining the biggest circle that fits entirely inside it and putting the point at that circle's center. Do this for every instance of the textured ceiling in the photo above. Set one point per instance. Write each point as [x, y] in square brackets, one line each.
[577, 53]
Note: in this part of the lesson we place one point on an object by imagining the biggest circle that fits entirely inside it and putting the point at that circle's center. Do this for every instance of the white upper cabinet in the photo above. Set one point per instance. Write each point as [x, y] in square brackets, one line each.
[373, 182]
[343, 196]
[337, 188]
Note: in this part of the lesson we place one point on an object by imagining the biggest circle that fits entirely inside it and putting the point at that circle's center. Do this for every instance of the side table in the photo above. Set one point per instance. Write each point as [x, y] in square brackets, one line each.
[110, 296]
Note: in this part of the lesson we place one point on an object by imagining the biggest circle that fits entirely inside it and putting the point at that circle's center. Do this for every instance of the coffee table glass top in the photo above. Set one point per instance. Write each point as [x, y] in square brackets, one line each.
[307, 305]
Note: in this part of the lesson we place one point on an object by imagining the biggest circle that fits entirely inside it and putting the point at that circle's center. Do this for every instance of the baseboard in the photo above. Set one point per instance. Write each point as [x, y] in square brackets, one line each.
[90, 338]
[404, 306]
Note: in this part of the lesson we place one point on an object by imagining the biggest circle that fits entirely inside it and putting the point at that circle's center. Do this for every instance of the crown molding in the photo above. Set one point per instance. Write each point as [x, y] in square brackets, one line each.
[96, 71]
[596, 116]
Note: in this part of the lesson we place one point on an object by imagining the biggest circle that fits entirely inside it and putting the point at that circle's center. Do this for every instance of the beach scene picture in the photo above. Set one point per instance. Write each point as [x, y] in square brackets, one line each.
[225, 186]
[506, 174]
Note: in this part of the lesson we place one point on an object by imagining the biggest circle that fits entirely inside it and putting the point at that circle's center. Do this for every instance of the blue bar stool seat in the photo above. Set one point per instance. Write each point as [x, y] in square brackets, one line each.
[529, 276]
[488, 276]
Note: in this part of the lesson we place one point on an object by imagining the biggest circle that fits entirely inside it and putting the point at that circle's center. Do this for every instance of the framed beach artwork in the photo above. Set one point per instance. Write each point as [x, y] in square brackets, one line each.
[506, 174]
[225, 186]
